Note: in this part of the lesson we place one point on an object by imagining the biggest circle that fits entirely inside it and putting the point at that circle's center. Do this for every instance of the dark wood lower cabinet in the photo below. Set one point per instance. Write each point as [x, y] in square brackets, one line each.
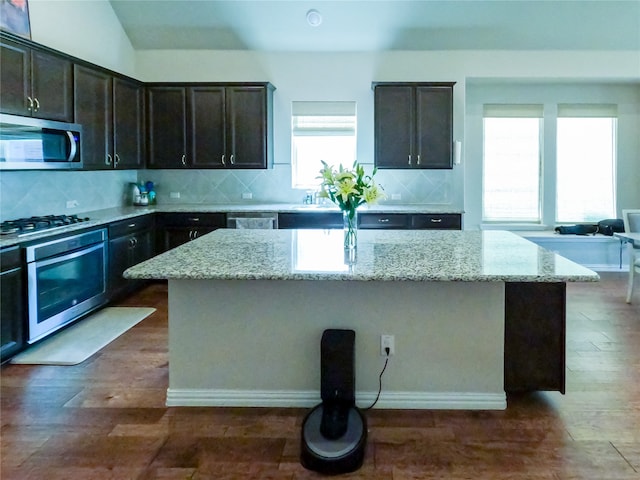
[310, 220]
[535, 333]
[130, 242]
[12, 303]
[174, 229]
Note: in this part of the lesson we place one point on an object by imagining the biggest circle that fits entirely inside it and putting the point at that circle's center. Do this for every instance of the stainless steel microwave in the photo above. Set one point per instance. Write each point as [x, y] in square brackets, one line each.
[34, 144]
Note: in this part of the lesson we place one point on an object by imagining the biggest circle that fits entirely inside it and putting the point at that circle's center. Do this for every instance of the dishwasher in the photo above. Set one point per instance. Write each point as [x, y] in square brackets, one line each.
[253, 220]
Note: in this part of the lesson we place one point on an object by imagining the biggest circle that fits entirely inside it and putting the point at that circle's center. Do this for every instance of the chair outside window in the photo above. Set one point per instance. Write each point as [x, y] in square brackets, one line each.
[631, 220]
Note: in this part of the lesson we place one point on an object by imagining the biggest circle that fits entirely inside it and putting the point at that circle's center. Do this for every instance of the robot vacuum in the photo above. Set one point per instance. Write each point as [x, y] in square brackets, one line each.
[334, 433]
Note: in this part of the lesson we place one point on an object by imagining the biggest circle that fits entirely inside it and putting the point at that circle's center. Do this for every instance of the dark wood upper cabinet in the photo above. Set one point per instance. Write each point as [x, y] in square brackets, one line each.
[413, 125]
[167, 117]
[210, 126]
[110, 110]
[92, 91]
[35, 83]
[206, 134]
[128, 124]
[247, 126]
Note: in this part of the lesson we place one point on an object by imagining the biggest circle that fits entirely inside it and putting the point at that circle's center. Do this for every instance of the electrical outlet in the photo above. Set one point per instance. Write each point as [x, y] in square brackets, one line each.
[72, 203]
[174, 194]
[387, 341]
[396, 196]
[247, 196]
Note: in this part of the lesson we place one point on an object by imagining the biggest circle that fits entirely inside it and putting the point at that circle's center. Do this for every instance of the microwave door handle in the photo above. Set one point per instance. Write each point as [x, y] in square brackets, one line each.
[72, 143]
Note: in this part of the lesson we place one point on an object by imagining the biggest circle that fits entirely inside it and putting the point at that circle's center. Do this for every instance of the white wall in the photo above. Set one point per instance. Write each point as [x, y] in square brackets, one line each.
[348, 76]
[90, 30]
[87, 29]
[550, 94]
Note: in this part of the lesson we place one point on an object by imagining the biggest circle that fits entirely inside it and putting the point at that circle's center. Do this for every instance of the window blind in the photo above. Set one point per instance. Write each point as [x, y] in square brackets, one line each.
[587, 110]
[513, 111]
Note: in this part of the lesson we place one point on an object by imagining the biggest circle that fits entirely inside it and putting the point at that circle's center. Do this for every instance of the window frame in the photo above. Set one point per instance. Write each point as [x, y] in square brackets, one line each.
[324, 109]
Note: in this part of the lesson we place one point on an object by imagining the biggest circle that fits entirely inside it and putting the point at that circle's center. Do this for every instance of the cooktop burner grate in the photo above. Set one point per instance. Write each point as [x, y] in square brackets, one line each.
[34, 224]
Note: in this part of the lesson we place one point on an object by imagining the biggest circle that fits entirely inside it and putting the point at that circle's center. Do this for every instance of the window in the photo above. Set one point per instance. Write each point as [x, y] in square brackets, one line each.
[511, 175]
[586, 145]
[321, 131]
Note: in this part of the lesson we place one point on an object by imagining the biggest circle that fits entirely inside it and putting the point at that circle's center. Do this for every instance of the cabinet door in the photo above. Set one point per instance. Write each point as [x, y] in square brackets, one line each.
[118, 262]
[51, 87]
[12, 311]
[127, 124]
[143, 247]
[15, 78]
[534, 336]
[93, 110]
[434, 126]
[247, 127]
[167, 143]
[394, 127]
[207, 127]
[125, 252]
[176, 236]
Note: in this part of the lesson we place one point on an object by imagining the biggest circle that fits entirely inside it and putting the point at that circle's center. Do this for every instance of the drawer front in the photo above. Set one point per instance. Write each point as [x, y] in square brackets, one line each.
[446, 221]
[310, 220]
[125, 227]
[382, 221]
[196, 219]
[10, 258]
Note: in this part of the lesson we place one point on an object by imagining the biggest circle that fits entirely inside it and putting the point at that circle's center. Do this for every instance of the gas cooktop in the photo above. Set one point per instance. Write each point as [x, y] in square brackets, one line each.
[23, 226]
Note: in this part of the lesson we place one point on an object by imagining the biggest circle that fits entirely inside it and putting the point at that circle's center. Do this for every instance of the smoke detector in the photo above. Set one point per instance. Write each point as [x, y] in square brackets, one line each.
[314, 18]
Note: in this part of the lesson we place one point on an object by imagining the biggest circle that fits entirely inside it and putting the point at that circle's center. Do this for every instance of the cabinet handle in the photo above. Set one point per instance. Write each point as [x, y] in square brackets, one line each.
[131, 225]
[184, 160]
[37, 104]
[409, 162]
[223, 162]
[116, 160]
[108, 160]
[194, 219]
[233, 162]
[383, 220]
[418, 160]
[436, 220]
[30, 107]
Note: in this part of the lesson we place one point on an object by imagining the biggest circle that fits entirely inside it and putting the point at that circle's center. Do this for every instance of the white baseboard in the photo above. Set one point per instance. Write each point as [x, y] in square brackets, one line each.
[307, 399]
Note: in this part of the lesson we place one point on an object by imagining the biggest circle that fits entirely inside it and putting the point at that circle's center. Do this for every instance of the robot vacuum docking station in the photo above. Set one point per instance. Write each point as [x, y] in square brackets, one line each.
[334, 433]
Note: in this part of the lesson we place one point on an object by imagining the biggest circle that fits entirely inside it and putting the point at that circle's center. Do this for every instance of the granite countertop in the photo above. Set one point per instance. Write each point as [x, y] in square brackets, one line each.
[391, 255]
[103, 217]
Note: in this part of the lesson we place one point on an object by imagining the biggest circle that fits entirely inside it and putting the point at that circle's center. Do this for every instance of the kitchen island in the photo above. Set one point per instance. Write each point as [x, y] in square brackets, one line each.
[247, 309]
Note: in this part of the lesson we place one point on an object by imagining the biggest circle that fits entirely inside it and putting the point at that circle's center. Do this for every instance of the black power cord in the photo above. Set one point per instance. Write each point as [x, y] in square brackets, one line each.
[387, 351]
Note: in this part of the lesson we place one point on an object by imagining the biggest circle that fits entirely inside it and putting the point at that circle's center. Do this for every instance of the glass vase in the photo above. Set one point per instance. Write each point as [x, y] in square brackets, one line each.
[350, 226]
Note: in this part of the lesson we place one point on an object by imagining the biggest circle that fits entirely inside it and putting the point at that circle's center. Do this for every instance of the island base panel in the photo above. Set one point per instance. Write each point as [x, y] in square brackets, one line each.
[257, 342]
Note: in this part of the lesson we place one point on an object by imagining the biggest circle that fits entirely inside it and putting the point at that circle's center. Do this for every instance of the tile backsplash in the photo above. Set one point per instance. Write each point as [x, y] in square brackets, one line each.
[27, 193]
[274, 185]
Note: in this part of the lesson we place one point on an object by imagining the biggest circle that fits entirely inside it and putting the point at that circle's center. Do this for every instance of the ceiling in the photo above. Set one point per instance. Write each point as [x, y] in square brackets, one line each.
[378, 25]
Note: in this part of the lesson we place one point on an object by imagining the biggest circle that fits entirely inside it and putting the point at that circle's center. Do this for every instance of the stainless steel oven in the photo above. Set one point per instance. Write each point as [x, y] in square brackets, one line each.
[66, 279]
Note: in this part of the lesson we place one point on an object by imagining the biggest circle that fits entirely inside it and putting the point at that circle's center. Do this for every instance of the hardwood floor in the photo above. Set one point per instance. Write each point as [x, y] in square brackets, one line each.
[106, 419]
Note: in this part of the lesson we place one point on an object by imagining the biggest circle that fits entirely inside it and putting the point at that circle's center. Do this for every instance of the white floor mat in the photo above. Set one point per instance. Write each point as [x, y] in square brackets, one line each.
[78, 342]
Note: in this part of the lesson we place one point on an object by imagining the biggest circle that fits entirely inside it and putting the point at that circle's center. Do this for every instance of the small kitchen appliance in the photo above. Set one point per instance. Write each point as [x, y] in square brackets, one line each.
[28, 143]
[334, 433]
